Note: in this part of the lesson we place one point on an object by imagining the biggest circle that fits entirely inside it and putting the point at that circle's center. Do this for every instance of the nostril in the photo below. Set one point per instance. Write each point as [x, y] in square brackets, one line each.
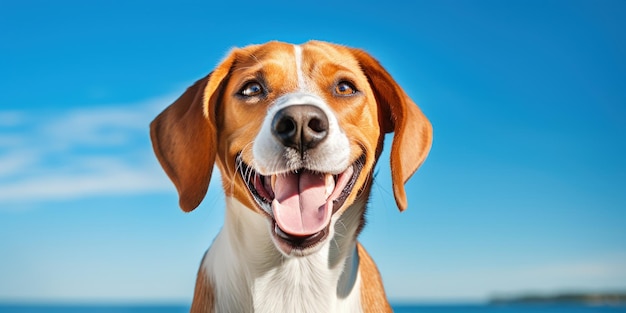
[285, 126]
[318, 125]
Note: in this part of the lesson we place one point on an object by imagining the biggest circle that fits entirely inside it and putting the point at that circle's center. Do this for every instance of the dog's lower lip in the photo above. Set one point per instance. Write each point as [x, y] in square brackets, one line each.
[299, 242]
[280, 233]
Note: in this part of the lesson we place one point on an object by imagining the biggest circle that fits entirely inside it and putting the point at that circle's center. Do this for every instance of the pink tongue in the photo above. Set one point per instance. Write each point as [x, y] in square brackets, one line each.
[300, 203]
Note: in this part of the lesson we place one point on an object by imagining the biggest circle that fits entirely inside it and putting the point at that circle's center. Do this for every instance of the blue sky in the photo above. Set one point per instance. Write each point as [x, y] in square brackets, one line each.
[524, 189]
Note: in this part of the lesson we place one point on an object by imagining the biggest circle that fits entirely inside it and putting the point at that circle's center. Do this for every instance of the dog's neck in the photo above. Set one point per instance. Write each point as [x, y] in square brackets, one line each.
[248, 273]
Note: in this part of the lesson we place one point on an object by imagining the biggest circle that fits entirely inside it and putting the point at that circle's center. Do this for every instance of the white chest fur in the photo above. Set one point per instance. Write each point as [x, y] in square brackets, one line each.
[249, 274]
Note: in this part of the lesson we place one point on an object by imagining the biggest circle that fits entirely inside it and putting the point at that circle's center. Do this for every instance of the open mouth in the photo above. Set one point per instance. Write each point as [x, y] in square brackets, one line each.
[300, 204]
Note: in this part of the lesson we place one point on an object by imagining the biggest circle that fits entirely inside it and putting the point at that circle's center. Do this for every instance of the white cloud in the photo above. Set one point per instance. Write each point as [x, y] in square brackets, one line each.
[10, 118]
[59, 186]
[13, 162]
[79, 152]
[97, 127]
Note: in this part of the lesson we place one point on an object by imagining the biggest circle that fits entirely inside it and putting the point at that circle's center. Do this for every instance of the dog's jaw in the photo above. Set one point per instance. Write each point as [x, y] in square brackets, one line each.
[286, 240]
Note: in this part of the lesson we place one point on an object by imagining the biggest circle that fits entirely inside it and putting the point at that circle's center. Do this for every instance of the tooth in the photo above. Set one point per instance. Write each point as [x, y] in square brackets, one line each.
[273, 182]
[330, 185]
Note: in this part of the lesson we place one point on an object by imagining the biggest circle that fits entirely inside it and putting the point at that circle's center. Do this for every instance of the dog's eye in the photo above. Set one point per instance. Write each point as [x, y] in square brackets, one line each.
[345, 88]
[251, 89]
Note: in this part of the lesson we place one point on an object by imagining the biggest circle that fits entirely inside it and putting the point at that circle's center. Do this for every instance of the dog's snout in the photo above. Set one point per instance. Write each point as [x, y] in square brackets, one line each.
[301, 127]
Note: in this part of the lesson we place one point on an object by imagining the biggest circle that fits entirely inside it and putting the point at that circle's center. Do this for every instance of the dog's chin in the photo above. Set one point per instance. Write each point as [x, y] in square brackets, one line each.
[300, 206]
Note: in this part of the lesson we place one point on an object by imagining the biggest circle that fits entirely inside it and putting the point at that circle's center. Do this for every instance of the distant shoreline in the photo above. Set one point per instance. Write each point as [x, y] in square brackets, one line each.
[611, 298]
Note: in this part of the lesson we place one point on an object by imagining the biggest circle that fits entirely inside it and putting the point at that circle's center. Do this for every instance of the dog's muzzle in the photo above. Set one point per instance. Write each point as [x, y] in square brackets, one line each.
[301, 198]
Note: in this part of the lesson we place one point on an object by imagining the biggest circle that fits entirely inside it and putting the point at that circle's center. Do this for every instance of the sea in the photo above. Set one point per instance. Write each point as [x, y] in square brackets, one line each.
[518, 308]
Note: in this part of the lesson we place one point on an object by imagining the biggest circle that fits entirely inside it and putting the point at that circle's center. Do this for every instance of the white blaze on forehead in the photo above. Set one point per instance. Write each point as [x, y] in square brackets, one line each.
[298, 54]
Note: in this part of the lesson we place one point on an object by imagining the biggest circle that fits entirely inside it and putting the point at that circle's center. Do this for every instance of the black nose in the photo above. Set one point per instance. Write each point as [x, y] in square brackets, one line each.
[301, 127]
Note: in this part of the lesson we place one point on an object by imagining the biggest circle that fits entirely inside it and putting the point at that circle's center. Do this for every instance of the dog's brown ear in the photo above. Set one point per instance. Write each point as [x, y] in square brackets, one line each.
[184, 137]
[399, 114]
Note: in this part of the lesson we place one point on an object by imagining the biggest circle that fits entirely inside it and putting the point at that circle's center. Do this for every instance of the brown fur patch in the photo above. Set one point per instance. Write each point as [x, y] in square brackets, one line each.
[203, 297]
[373, 298]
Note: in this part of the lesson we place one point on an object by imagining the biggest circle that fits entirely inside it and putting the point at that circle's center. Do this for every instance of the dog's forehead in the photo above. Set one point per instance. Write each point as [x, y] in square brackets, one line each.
[315, 51]
[287, 55]
[273, 50]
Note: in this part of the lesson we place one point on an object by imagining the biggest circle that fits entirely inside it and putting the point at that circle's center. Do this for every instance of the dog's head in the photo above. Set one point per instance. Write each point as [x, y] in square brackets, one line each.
[295, 131]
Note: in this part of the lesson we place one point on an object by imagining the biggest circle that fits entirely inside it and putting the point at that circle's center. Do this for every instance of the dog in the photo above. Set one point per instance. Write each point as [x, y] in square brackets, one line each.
[296, 131]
